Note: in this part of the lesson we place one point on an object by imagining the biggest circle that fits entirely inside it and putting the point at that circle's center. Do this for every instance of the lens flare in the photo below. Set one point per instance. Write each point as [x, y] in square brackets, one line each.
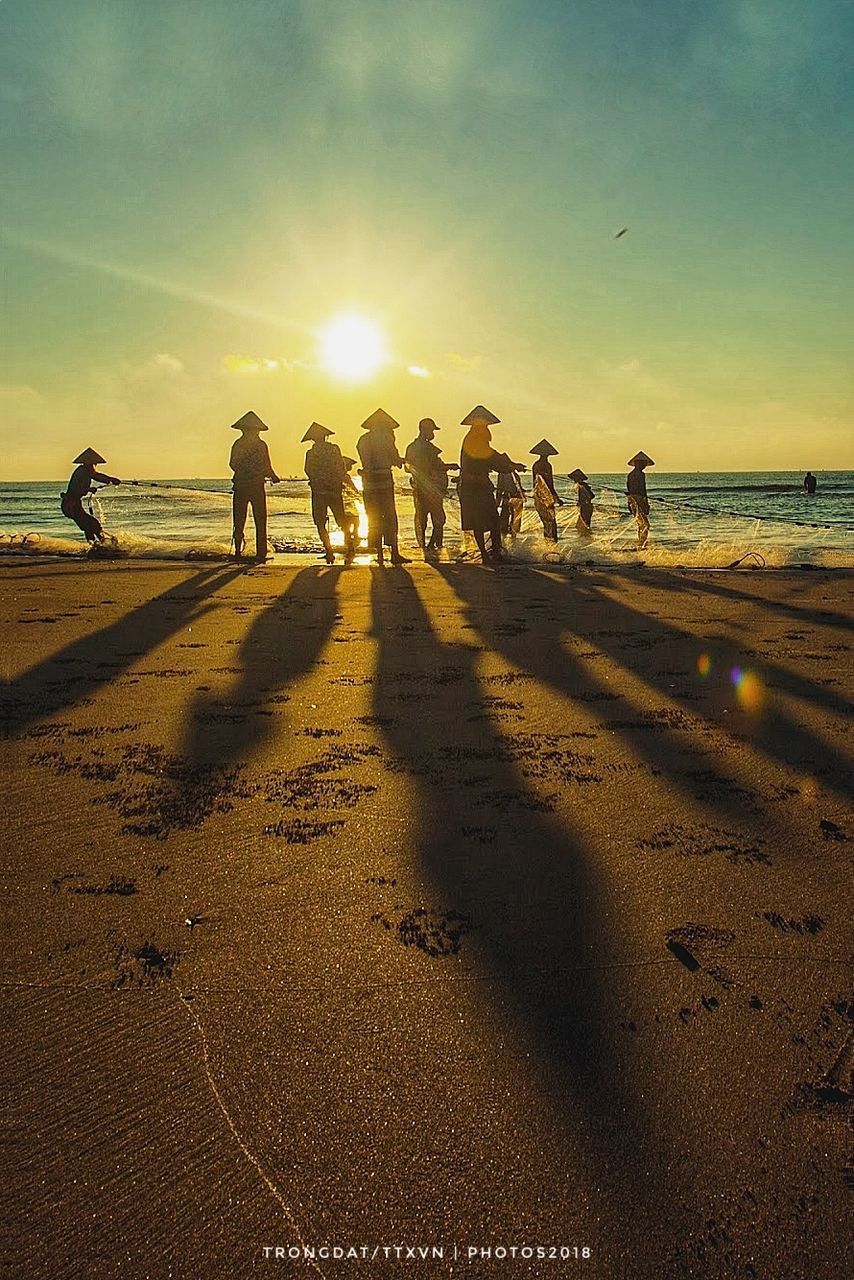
[749, 690]
[704, 665]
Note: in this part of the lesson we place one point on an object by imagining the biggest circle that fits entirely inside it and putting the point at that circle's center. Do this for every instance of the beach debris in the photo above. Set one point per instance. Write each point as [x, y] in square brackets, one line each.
[620, 233]
[437, 933]
[806, 924]
[119, 885]
[301, 831]
[831, 831]
[144, 966]
[192, 921]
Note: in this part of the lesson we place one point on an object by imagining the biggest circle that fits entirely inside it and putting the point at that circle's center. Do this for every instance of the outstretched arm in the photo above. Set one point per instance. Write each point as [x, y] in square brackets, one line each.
[270, 473]
[104, 479]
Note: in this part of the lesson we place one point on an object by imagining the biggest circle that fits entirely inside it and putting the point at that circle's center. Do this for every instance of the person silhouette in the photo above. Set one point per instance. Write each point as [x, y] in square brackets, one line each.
[326, 473]
[478, 512]
[810, 483]
[429, 475]
[82, 479]
[353, 506]
[510, 499]
[545, 495]
[378, 452]
[584, 499]
[637, 495]
[251, 465]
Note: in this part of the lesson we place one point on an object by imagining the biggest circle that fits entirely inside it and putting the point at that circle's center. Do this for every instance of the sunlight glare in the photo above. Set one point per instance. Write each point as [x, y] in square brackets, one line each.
[352, 348]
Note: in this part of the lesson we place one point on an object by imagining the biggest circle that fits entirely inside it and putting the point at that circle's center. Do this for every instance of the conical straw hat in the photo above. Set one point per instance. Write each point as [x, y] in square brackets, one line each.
[89, 455]
[545, 449]
[479, 414]
[249, 422]
[379, 418]
[577, 475]
[640, 460]
[348, 463]
[317, 431]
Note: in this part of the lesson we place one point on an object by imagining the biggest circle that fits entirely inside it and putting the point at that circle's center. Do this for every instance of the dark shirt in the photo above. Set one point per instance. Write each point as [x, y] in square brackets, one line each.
[636, 483]
[424, 463]
[250, 460]
[543, 468]
[378, 453]
[81, 481]
[478, 469]
[324, 467]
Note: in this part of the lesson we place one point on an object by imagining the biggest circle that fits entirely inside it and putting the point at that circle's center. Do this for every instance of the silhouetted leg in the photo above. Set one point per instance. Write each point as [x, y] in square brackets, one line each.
[373, 511]
[420, 518]
[437, 516]
[90, 526]
[320, 504]
[505, 513]
[239, 506]
[259, 515]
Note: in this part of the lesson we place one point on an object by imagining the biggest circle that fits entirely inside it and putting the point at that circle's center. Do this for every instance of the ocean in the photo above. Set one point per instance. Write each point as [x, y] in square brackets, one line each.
[702, 519]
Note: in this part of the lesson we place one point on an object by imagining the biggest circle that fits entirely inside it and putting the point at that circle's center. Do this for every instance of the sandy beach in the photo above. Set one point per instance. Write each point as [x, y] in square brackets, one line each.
[421, 908]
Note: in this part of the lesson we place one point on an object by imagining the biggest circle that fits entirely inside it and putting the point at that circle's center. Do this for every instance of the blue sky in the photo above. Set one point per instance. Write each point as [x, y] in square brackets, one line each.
[193, 189]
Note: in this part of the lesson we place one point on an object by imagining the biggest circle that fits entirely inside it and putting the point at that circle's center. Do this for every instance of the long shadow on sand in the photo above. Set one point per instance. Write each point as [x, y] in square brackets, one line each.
[96, 659]
[490, 605]
[282, 644]
[536, 900]
[722, 588]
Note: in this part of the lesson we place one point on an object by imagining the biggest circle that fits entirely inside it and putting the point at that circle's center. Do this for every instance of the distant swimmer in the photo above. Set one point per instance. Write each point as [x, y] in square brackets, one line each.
[326, 473]
[636, 491]
[79, 486]
[584, 498]
[621, 232]
[545, 495]
[810, 483]
[429, 474]
[250, 462]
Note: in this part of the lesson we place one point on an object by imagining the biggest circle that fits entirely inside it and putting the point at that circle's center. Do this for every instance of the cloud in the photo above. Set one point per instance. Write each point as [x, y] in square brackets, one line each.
[242, 364]
[466, 363]
[418, 371]
[164, 361]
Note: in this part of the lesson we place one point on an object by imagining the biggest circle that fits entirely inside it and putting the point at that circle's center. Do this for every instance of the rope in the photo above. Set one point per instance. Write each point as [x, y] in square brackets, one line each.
[745, 515]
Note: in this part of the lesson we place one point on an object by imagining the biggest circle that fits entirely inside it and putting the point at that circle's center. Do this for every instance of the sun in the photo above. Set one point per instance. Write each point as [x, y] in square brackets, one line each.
[352, 348]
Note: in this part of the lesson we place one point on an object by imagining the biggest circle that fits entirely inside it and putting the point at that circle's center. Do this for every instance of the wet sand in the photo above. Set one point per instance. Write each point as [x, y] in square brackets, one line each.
[426, 908]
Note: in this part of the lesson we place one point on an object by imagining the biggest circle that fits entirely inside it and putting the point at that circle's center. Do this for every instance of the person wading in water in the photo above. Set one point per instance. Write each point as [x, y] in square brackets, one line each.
[80, 484]
[545, 494]
[636, 491]
[584, 498]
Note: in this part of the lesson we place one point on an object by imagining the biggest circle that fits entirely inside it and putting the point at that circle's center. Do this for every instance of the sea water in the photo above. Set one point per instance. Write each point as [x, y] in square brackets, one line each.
[702, 519]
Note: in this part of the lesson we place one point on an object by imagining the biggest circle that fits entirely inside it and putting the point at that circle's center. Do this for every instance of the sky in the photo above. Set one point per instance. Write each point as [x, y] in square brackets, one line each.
[193, 190]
